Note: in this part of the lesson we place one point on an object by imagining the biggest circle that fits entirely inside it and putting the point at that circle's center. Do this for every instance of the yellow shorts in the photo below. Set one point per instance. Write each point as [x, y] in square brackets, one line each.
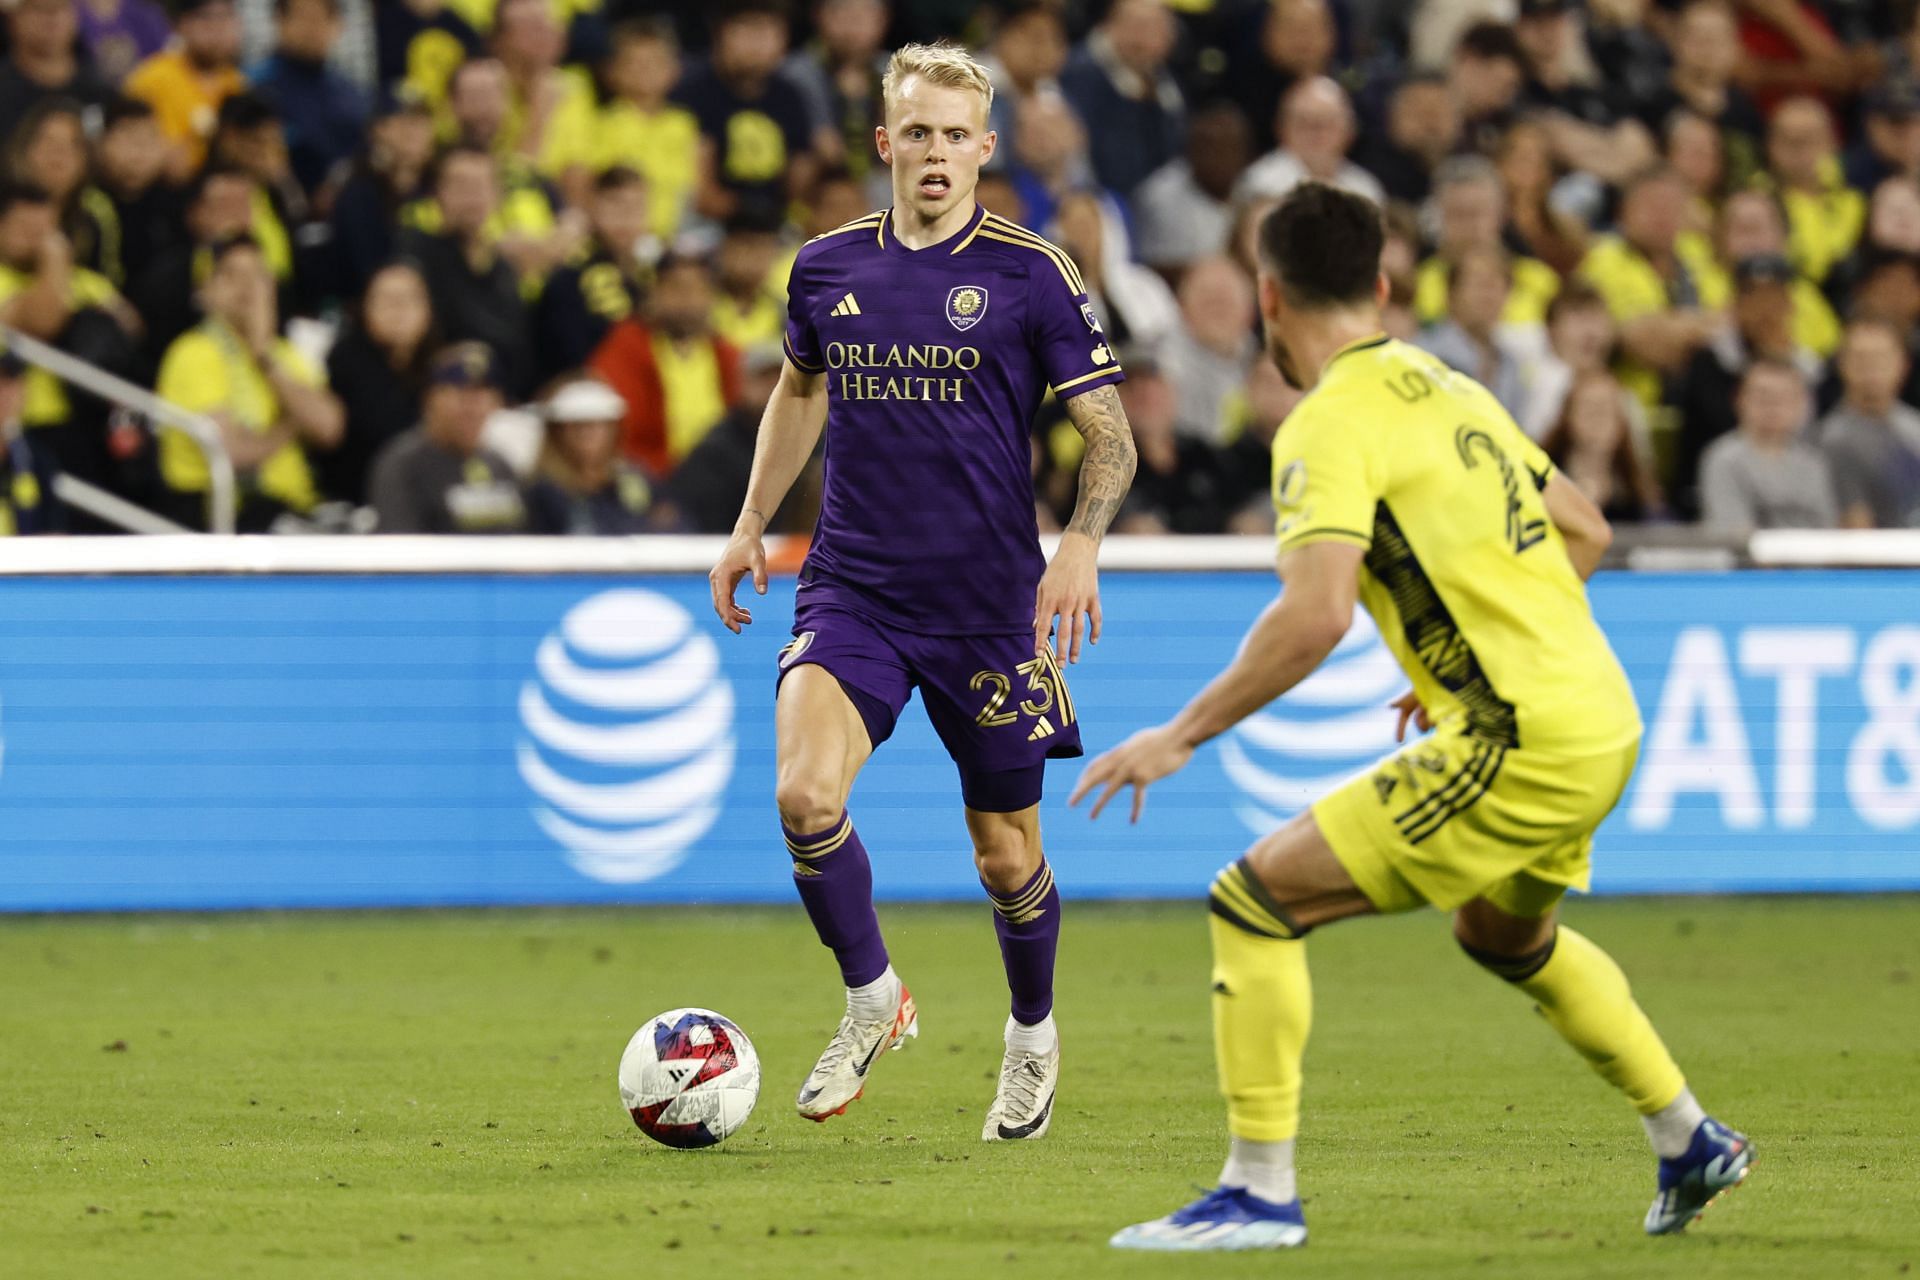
[1450, 818]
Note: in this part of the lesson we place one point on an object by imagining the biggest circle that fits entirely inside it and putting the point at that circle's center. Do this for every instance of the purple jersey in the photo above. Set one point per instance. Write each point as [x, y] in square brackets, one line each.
[936, 360]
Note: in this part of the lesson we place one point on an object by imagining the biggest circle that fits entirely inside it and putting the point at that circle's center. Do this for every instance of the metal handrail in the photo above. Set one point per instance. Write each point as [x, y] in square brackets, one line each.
[198, 427]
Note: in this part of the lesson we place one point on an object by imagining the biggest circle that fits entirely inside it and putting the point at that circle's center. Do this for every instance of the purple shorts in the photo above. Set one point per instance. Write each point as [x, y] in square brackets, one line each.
[1000, 710]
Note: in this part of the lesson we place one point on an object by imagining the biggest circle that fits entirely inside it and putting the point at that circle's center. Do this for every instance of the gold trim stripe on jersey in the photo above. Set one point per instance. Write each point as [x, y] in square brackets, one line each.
[1040, 242]
[858, 224]
[1086, 377]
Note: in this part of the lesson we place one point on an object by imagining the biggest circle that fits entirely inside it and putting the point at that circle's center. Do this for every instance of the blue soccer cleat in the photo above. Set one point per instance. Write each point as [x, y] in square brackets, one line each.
[1715, 1162]
[1226, 1219]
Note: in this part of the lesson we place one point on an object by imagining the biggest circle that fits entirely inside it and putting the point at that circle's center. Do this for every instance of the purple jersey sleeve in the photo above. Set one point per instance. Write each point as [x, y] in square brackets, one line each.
[1067, 340]
[803, 340]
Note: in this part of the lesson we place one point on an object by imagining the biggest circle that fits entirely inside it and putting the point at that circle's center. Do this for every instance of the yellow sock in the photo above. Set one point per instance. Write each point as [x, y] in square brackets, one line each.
[1586, 998]
[1262, 1008]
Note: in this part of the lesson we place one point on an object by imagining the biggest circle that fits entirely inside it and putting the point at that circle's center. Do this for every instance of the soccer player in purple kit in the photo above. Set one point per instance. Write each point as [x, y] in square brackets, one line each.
[924, 338]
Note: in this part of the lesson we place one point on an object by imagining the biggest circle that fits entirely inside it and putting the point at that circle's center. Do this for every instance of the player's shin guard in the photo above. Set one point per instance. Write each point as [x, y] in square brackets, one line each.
[1028, 923]
[1262, 1006]
[835, 880]
[1585, 998]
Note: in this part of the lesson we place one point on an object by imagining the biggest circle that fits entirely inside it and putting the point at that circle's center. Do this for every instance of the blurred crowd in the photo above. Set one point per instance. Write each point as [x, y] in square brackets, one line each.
[519, 265]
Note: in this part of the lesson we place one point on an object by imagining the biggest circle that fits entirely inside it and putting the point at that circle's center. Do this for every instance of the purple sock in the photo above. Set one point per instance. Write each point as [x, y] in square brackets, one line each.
[1028, 922]
[835, 881]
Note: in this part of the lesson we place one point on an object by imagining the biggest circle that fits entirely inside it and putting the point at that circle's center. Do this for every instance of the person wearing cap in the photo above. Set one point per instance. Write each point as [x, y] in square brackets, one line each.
[438, 477]
[186, 82]
[1706, 393]
[270, 402]
[387, 174]
[1889, 141]
[24, 506]
[1751, 224]
[582, 484]
[325, 113]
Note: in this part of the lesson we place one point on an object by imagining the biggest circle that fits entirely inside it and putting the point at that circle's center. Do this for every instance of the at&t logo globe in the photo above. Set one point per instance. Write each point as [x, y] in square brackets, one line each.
[628, 735]
[1334, 724]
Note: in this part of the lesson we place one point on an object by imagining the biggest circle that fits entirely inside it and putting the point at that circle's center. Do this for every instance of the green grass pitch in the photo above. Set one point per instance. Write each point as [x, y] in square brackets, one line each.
[433, 1094]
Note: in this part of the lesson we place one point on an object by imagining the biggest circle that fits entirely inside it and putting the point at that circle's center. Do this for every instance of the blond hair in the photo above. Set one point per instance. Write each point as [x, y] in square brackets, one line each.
[947, 65]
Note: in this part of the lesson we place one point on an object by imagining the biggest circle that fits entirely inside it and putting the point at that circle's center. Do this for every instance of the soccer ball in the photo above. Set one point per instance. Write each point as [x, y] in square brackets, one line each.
[689, 1078]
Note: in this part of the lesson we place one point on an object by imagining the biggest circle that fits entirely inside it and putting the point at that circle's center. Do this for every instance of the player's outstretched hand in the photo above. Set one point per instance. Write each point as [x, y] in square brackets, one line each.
[1409, 706]
[1146, 757]
[1070, 592]
[745, 554]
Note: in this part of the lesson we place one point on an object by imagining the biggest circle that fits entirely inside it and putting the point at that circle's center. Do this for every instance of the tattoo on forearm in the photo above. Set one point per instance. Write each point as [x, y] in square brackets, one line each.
[1106, 471]
[755, 511]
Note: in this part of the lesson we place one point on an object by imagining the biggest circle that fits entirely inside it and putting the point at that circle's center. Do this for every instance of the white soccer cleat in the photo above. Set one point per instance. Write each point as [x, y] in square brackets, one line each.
[1023, 1106]
[1225, 1220]
[840, 1076]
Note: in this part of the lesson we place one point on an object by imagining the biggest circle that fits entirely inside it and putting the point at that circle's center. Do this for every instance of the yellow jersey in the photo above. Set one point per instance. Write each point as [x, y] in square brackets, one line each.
[1465, 575]
[208, 370]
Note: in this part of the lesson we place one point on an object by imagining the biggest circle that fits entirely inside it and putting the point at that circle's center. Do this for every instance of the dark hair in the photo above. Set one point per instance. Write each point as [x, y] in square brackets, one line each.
[618, 178]
[280, 7]
[1323, 245]
[431, 341]
[1629, 471]
[245, 110]
[1575, 293]
[641, 31]
[673, 261]
[738, 10]
[454, 151]
[14, 191]
[1491, 40]
[122, 108]
[219, 249]
[214, 172]
[29, 124]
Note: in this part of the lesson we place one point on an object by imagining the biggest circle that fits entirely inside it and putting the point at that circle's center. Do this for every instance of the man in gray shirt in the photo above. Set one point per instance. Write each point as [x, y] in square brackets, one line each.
[1762, 475]
[437, 478]
[1871, 439]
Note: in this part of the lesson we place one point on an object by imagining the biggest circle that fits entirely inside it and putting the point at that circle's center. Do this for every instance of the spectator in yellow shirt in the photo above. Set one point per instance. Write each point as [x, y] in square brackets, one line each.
[1752, 225]
[1472, 202]
[630, 123]
[750, 307]
[1824, 214]
[186, 83]
[269, 401]
[1652, 295]
[45, 296]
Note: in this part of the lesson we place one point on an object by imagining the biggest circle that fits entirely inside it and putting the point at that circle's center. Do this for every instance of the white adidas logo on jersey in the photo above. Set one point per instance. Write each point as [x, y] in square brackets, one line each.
[846, 307]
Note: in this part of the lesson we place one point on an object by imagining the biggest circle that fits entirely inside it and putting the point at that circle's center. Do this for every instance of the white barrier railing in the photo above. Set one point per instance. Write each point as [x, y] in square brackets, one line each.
[199, 428]
[409, 553]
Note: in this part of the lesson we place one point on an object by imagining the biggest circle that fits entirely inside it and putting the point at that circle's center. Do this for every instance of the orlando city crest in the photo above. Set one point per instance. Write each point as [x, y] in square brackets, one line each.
[965, 305]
